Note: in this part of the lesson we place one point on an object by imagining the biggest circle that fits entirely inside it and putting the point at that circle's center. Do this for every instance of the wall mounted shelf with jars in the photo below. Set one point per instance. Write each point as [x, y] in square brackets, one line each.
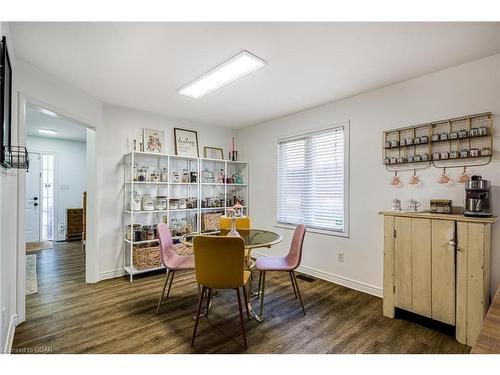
[175, 190]
[451, 143]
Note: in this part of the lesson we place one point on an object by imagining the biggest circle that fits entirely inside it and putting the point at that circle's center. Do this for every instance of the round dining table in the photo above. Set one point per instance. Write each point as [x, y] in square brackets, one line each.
[253, 238]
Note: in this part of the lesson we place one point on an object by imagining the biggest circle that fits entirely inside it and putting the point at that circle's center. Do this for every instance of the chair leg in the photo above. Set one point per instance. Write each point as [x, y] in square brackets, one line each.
[170, 284]
[162, 292]
[245, 294]
[242, 321]
[298, 292]
[209, 299]
[198, 315]
[262, 288]
[293, 285]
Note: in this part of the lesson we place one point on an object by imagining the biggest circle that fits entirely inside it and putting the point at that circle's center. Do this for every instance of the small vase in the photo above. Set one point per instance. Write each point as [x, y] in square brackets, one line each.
[233, 232]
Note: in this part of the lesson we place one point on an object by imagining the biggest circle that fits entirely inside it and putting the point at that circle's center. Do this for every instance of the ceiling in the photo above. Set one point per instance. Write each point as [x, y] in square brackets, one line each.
[37, 119]
[141, 65]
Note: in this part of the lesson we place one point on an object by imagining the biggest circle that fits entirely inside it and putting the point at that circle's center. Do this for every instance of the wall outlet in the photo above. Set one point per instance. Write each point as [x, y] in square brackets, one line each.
[340, 257]
[61, 227]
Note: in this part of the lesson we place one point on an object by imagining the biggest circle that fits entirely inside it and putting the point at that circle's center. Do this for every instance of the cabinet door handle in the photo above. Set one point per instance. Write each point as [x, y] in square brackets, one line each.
[452, 243]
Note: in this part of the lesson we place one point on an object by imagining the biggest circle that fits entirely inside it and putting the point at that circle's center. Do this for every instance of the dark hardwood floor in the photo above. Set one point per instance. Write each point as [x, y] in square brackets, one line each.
[115, 316]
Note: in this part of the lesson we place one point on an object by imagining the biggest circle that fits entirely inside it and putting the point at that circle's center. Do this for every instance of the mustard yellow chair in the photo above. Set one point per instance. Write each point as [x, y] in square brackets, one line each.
[243, 223]
[219, 264]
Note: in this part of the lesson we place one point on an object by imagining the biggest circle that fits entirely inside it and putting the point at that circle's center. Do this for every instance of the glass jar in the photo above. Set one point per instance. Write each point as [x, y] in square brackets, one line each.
[148, 202]
[207, 176]
[238, 179]
[182, 203]
[183, 226]
[185, 176]
[173, 204]
[155, 175]
[136, 201]
[175, 177]
[161, 202]
[191, 203]
[142, 174]
[130, 231]
[193, 177]
[220, 177]
[164, 175]
[174, 227]
[148, 233]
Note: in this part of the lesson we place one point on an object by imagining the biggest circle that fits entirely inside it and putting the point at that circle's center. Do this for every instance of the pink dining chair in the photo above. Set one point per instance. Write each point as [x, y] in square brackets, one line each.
[287, 263]
[171, 260]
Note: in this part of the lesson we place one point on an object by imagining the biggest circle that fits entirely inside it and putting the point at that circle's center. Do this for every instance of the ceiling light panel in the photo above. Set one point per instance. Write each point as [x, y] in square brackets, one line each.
[47, 131]
[229, 71]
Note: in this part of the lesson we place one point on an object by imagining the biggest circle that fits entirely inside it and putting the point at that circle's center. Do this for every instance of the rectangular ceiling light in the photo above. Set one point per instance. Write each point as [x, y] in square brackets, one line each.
[229, 71]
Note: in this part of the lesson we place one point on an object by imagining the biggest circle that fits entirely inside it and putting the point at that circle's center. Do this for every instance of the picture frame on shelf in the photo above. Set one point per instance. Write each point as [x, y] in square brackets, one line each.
[154, 140]
[186, 143]
[213, 153]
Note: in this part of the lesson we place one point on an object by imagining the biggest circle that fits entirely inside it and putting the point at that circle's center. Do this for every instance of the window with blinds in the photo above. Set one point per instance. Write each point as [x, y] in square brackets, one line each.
[311, 181]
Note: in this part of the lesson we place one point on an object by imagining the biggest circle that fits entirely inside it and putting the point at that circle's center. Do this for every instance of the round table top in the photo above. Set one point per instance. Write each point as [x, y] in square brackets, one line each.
[253, 237]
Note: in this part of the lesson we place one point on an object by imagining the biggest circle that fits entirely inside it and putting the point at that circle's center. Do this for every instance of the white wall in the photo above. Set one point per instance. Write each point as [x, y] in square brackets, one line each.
[121, 125]
[8, 219]
[470, 88]
[70, 176]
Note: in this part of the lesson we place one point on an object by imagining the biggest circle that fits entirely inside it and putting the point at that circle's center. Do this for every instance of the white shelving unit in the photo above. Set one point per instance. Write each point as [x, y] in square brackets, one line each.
[199, 190]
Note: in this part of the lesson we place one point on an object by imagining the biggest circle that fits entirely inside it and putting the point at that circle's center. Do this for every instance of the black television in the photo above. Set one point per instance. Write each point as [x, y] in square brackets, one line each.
[5, 103]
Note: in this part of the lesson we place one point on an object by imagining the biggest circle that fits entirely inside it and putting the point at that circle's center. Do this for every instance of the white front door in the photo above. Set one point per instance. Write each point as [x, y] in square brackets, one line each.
[33, 199]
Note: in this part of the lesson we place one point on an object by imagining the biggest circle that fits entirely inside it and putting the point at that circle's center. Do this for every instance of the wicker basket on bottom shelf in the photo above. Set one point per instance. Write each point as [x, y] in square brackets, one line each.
[147, 257]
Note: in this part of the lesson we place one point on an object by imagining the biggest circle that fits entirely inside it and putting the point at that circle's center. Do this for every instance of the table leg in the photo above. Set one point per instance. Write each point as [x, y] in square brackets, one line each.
[252, 313]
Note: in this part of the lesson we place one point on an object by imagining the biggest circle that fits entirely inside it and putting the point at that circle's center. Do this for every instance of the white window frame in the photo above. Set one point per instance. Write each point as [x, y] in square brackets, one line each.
[346, 232]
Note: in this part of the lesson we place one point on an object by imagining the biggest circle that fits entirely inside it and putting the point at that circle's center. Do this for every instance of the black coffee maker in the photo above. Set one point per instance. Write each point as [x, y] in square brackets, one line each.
[477, 197]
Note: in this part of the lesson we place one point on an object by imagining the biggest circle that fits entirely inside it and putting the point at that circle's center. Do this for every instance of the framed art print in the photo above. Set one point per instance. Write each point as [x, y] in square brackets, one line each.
[153, 140]
[186, 143]
[213, 153]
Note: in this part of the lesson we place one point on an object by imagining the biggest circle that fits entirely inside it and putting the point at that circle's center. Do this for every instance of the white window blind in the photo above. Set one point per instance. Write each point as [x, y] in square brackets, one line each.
[311, 180]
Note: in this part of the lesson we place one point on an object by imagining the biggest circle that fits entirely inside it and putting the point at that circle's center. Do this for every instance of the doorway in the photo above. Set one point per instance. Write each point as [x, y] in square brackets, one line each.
[56, 184]
[40, 198]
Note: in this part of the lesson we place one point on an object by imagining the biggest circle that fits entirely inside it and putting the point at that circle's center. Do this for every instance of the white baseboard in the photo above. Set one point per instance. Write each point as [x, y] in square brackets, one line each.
[336, 279]
[111, 274]
[10, 334]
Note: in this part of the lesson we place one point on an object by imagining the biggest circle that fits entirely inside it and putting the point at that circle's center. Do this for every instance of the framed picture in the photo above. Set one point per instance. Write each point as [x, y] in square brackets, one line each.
[186, 143]
[153, 140]
[5, 102]
[213, 152]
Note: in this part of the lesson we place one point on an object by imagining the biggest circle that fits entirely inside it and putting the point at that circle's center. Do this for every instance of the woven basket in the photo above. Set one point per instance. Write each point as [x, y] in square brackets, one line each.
[149, 256]
[146, 257]
[182, 249]
[210, 220]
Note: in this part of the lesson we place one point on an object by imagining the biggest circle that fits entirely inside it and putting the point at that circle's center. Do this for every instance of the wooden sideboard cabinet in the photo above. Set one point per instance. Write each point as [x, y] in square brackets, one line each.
[438, 266]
